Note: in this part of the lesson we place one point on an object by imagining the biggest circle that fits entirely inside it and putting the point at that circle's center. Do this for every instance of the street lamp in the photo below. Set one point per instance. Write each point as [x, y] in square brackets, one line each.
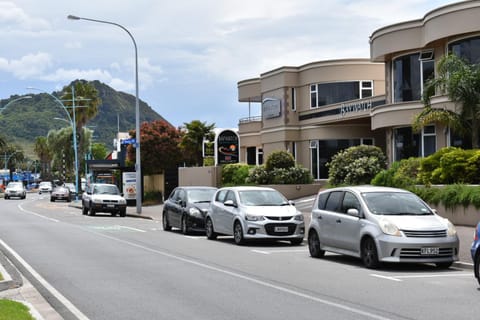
[138, 167]
[8, 159]
[74, 129]
[14, 100]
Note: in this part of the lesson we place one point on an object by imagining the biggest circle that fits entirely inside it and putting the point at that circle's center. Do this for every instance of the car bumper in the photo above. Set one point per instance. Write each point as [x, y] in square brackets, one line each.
[196, 223]
[274, 230]
[103, 207]
[15, 194]
[60, 197]
[409, 249]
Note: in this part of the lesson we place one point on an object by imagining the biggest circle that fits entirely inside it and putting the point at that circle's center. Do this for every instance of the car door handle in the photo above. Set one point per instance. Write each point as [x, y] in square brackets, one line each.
[319, 218]
[338, 221]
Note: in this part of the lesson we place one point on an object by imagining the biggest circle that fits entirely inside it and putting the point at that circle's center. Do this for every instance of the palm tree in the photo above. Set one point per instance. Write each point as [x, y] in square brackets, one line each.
[460, 80]
[192, 140]
[44, 154]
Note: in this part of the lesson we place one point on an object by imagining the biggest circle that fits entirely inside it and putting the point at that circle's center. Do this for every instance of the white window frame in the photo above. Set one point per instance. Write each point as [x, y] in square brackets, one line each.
[361, 82]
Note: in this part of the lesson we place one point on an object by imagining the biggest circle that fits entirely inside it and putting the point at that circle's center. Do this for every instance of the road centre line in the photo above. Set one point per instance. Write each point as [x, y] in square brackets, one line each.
[248, 279]
[423, 276]
[36, 214]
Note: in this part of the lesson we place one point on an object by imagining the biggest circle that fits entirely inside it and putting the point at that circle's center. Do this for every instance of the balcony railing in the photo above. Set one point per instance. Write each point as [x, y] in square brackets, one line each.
[250, 119]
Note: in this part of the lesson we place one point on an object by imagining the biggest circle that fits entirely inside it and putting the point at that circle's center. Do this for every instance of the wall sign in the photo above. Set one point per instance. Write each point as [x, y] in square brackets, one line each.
[271, 108]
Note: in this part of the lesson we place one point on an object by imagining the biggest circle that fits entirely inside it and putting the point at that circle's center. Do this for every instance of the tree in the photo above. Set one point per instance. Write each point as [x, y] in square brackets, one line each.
[192, 141]
[43, 152]
[99, 151]
[460, 80]
[159, 146]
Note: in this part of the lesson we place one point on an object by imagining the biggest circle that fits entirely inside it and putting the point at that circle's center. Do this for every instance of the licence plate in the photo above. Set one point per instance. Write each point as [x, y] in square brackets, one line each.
[429, 251]
[281, 229]
[110, 206]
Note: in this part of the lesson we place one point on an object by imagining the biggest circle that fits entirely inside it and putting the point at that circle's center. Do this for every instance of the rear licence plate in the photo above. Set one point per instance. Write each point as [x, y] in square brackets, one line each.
[429, 251]
[281, 229]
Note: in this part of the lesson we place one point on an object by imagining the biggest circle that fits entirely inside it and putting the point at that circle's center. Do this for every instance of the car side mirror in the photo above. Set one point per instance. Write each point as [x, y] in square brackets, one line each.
[229, 203]
[354, 212]
[290, 202]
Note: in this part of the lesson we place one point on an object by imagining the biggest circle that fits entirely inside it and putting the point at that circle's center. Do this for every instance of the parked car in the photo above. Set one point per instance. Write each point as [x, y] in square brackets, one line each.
[380, 224]
[254, 213]
[71, 187]
[15, 189]
[60, 193]
[44, 187]
[103, 197]
[475, 251]
[186, 208]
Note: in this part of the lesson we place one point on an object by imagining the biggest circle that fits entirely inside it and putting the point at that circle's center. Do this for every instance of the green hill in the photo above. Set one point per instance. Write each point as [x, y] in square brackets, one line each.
[25, 120]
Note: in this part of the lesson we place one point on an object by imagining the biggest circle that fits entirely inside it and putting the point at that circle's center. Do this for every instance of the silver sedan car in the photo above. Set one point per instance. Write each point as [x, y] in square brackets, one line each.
[254, 213]
[379, 224]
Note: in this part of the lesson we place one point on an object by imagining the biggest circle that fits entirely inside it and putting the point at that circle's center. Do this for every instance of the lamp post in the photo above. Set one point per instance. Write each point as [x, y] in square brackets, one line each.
[138, 167]
[74, 129]
[8, 159]
[14, 100]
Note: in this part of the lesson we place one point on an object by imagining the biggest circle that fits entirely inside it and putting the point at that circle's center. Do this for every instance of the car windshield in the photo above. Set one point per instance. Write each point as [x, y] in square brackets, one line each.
[200, 195]
[395, 203]
[105, 189]
[262, 198]
[14, 185]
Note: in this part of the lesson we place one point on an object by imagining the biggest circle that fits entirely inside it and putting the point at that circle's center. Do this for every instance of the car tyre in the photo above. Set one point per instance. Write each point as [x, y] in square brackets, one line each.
[238, 233]
[444, 265]
[52, 199]
[369, 254]
[165, 223]
[92, 211]
[84, 210]
[184, 225]
[123, 212]
[211, 234]
[314, 245]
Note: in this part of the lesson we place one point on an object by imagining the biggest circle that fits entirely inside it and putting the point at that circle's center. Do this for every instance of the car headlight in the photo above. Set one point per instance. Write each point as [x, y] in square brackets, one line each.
[298, 217]
[195, 212]
[251, 217]
[390, 228]
[451, 231]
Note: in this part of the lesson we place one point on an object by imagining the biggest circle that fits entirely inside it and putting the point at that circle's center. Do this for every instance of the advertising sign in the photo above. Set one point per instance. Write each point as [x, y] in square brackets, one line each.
[129, 183]
[227, 147]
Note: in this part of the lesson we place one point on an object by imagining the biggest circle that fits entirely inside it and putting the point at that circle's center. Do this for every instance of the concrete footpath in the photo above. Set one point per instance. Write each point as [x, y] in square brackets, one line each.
[17, 287]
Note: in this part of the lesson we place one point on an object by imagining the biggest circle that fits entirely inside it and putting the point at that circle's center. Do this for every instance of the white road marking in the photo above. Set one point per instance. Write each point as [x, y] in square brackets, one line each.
[422, 276]
[36, 214]
[279, 251]
[45, 284]
[134, 229]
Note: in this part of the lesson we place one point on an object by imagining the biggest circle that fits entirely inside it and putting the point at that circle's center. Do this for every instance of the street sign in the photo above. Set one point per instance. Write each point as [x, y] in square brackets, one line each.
[128, 141]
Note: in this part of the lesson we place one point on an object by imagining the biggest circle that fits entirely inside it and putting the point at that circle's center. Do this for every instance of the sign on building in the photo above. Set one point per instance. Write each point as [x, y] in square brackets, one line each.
[227, 147]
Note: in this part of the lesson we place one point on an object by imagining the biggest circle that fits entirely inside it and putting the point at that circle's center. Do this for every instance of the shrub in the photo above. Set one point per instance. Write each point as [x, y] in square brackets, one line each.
[279, 159]
[356, 165]
[258, 175]
[235, 173]
[401, 174]
[153, 197]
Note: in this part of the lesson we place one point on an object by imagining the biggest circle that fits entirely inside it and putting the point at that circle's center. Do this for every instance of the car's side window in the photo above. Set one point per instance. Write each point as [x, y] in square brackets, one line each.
[322, 200]
[334, 201]
[231, 196]
[350, 201]
[220, 197]
[181, 195]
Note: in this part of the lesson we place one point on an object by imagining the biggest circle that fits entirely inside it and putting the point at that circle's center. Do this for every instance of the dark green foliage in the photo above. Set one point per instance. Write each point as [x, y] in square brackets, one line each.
[356, 165]
[279, 159]
[280, 168]
[153, 197]
[235, 173]
[401, 174]
[450, 196]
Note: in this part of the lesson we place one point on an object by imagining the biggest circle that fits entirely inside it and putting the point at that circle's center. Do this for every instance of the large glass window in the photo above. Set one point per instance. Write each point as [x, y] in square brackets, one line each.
[323, 94]
[429, 141]
[406, 143]
[468, 49]
[406, 78]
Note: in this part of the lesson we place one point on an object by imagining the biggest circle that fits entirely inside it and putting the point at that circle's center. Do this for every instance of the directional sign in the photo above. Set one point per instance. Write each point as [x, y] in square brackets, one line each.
[128, 141]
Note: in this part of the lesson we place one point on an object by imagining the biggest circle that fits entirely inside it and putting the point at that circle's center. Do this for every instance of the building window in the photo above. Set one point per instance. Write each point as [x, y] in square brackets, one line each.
[406, 143]
[323, 94]
[410, 73]
[294, 99]
[468, 49]
[294, 150]
[260, 156]
[429, 141]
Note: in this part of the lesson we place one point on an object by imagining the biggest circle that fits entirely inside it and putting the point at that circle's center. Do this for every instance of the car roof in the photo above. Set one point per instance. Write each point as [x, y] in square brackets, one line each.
[197, 188]
[248, 188]
[367, 188]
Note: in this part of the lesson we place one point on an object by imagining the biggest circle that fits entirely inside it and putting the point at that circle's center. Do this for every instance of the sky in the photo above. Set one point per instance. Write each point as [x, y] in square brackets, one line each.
[191, 53]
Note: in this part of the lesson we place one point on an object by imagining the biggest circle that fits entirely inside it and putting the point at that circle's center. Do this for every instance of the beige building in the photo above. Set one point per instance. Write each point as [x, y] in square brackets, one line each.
[320, 108]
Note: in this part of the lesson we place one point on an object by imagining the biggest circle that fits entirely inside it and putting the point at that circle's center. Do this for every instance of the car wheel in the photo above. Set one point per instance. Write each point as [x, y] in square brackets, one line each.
[123, 212]
[211, 234]
[52, 200]
[184, 225]
[296, 242]
[314, 245]
[238, 233]
[165, 223]
[6, 197]
[369, 254]
[92, 211]
[443, 265]
[84, 210]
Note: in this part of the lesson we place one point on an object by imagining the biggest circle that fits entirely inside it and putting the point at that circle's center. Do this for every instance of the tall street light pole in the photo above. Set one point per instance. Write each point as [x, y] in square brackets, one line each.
[74, 129]
[15, 100]
[138, 167]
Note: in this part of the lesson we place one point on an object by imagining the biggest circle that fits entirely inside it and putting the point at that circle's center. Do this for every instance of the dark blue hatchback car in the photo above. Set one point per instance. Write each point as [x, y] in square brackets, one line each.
[475, 251]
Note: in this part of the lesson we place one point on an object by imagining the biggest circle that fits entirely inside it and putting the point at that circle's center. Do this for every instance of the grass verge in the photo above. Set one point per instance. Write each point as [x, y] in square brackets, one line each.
[12, 310]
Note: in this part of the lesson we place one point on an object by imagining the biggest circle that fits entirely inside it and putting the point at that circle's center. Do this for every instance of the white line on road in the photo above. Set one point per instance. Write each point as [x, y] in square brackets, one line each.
[133, 229]
[279, 251]
[399, 278]
[36, 214]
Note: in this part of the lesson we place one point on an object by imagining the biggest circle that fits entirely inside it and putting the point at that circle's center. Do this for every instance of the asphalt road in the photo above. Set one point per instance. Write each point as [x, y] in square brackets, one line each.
[128, 268]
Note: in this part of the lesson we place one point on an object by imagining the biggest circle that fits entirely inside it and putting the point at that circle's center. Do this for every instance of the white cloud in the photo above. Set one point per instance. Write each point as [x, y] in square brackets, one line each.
[28, 66]
[13, 17]
[68, 75]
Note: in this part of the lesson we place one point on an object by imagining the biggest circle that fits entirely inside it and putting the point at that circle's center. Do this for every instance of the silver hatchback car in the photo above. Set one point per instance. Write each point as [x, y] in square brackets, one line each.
[379, 224]
[254, 213]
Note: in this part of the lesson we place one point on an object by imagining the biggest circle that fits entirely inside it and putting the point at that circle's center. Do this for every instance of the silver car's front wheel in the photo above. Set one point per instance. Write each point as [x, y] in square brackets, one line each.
[369, 254]
[238, 233]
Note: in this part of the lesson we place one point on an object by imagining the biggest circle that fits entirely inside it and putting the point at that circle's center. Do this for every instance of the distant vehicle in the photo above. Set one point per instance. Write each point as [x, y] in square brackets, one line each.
[16, 190]
[71, 187]
[250, 213]
[44, 187]
[103, 197]
[60, 193]
[379, 224]
[186, 208]
[475, 251]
